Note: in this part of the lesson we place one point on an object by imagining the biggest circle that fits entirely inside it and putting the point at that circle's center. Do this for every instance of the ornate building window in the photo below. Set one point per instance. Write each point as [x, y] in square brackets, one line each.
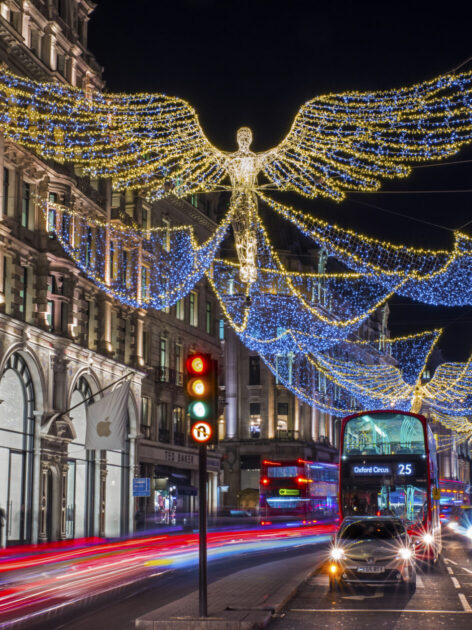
[254, 371]
[255, 419]
[180, 309]
[16, 440]
[208, 318]
[25, 204]
[193, 308]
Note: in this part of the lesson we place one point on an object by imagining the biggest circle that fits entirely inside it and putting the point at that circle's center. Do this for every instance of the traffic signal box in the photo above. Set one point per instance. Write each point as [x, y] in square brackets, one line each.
[202, 396]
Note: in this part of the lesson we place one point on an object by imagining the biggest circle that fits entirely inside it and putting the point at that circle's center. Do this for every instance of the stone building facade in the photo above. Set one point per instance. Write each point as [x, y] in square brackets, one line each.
[62, 340]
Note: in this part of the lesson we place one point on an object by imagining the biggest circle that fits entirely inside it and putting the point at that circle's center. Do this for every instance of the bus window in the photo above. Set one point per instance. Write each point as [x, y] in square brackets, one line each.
[384, 434]
[407, 502]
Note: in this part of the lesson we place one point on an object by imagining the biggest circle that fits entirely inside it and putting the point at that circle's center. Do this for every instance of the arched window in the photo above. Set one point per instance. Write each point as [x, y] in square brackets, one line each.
[16, 442]
[81, 472]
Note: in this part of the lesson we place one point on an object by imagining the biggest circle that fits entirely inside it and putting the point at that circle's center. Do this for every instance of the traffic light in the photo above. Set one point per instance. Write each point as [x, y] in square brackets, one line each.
[202, 396]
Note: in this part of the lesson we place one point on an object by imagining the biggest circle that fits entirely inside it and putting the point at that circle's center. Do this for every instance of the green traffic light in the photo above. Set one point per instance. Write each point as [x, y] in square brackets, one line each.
[198, 410]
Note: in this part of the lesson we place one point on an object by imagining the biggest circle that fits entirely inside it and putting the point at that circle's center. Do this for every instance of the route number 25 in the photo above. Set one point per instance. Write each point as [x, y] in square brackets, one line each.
[404, 469]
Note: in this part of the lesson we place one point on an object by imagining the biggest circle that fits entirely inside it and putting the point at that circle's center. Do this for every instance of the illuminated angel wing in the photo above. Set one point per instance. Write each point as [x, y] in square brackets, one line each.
[349, 141]
[148, 142]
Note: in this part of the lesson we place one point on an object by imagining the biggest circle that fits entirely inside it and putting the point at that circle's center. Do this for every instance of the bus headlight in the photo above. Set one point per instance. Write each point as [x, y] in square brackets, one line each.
[469, 532]
[336, 553]
[428, 539]
[405, 553]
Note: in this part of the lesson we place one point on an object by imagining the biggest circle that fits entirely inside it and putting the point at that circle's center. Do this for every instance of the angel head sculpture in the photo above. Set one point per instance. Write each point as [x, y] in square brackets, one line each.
[244, 139]
[336, 144]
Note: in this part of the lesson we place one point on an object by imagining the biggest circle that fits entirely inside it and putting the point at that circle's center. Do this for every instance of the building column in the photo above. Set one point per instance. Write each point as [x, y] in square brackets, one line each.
[315, 424]
[63, 485]
[48, 52]
[43, 505]
[104, 324]
[138, 355]
[231, 378]
[103, 501]
[271, 405]
[60, 388]
[72, 69]
[36, 490]
[25, 20]
[296, 415]
[41, 271]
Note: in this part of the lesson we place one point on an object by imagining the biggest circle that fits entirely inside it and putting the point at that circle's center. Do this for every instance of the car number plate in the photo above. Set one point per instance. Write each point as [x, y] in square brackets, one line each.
[371, 569]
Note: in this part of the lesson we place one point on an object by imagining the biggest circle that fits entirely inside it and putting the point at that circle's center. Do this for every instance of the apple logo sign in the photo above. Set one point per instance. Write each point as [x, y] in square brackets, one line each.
[103, 428]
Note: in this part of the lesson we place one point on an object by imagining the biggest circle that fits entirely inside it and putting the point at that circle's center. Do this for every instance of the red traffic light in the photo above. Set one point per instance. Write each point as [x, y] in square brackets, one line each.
[197, 364]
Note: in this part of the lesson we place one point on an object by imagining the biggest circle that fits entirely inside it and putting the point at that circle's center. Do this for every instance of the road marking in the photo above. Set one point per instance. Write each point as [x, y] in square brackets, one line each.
[381, 610]
[450, 571]
[361, 597]
[451, 561]
[468, 570]
[319, 580]
[323, 580]
[455, 582]
[464, 602]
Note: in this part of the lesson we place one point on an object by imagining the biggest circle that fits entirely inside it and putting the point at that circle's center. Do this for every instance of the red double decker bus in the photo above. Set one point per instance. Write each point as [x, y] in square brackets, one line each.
[388, 466]
[298, 490]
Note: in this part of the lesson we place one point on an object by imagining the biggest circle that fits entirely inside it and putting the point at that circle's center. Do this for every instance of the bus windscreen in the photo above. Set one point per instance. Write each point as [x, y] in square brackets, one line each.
[384, 434]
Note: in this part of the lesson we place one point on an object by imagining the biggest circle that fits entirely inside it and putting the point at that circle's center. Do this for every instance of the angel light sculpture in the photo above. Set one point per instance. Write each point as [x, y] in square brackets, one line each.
[154, 144]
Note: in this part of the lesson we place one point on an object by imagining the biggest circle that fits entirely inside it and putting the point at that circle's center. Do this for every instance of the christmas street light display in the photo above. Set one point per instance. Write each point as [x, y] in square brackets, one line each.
[154, 143]
[338, 143]
[332, 383]
[123, 261]
[318, 310]
[435, 277]
[460, 426]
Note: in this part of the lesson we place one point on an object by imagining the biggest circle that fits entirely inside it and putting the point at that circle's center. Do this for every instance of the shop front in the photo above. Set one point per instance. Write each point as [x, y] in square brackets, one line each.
[173, 475]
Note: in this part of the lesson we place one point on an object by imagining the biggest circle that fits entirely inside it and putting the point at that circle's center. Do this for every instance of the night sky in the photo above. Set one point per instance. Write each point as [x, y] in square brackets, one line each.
[255, 62]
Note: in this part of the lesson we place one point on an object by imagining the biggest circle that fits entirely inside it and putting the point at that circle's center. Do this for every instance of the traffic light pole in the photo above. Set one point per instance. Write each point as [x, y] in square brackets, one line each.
[202, 530]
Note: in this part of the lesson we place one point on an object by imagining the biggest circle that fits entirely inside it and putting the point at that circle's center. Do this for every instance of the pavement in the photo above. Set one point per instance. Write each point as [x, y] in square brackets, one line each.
[242, 601]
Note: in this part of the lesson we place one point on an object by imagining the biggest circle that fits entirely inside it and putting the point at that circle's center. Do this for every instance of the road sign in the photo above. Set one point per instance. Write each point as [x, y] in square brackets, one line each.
[201, 432]
[142, 487]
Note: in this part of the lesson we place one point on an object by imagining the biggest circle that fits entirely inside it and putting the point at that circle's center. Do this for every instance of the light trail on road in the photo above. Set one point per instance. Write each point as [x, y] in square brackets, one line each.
[39, 580]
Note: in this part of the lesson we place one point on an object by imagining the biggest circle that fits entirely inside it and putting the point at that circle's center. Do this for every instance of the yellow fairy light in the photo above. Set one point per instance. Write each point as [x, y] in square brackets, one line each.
[154, 143]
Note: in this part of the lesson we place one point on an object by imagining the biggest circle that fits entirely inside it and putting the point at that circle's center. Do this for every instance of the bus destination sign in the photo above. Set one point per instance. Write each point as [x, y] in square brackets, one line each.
[402, 469]
[366, 470]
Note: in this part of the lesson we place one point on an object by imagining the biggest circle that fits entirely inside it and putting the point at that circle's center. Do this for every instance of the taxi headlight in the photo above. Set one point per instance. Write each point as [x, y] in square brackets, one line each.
[405, 553]
[469, 532]
[336, 553]
[453, 525]
[428, 539]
